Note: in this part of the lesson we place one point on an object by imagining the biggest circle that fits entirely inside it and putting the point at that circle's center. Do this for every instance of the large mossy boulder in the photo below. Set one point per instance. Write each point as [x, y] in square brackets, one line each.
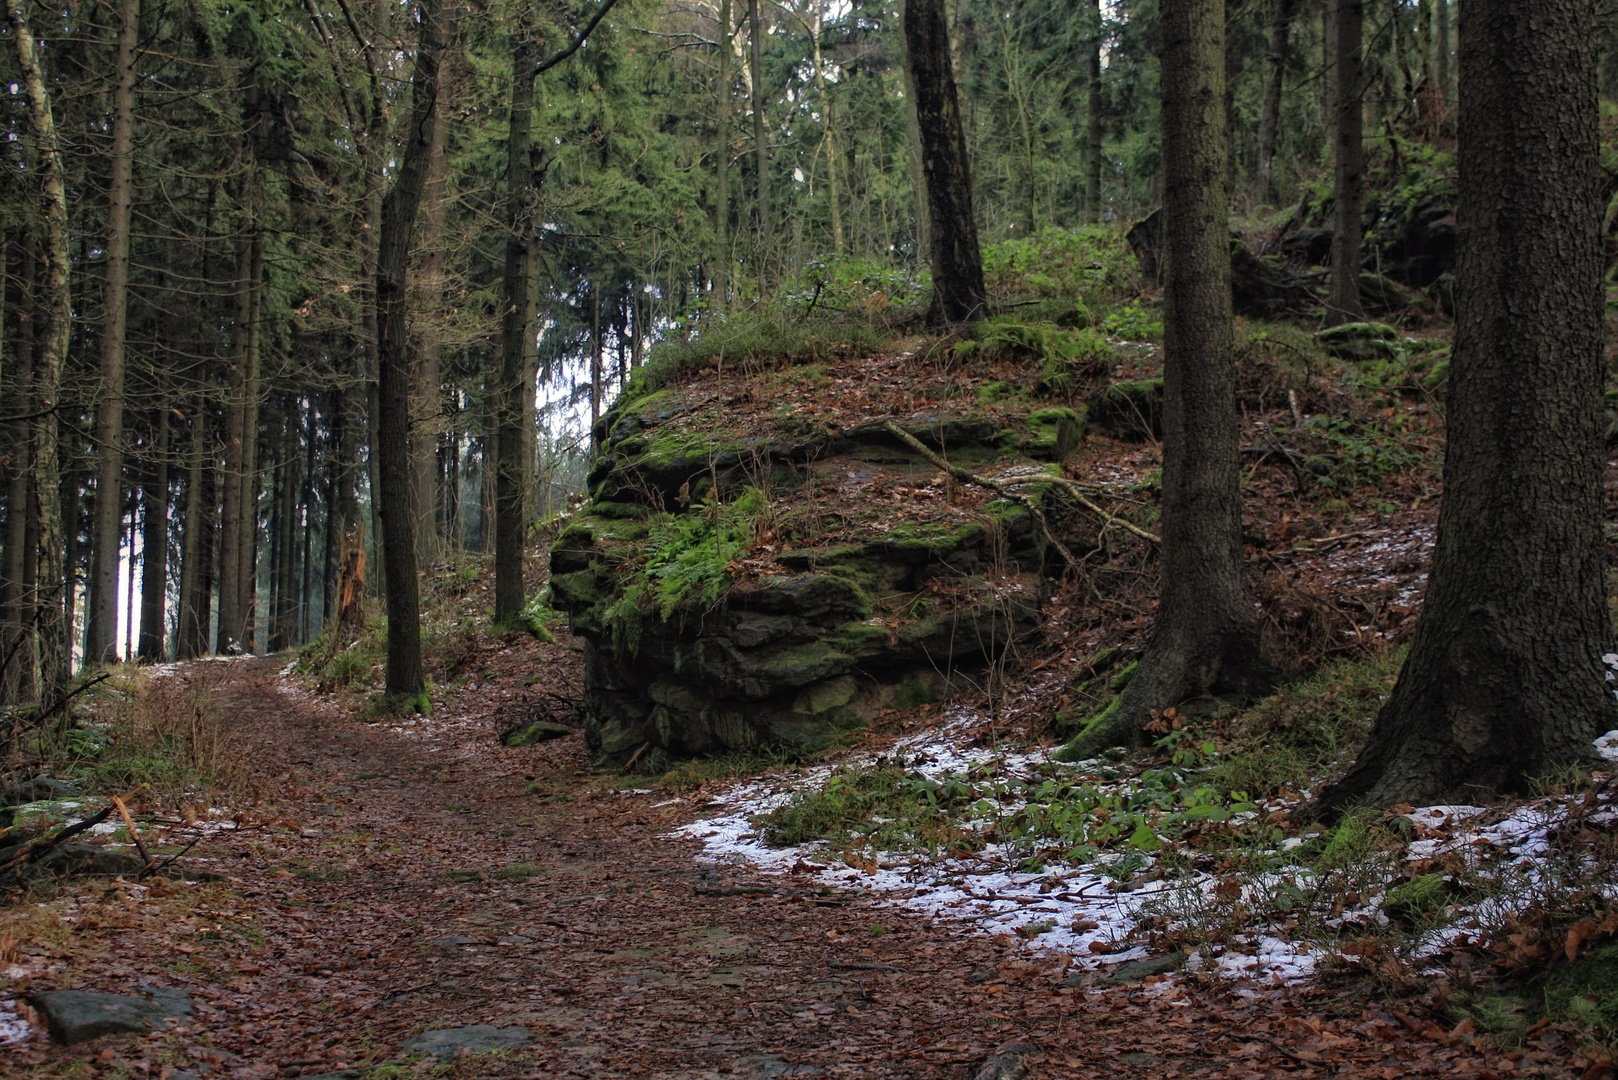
[777, 586]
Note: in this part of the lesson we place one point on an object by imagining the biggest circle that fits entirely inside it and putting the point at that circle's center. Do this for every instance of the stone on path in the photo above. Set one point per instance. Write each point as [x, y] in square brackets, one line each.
[1006, 1063]
[537, 731]
[77, 1015]
[444, 1042]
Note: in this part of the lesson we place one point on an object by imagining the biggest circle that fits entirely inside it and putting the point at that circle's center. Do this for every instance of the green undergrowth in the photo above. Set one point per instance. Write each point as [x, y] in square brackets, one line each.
[1060, 352]
[686, 563]
[131, 731]
[1091, 264]
[747, 342]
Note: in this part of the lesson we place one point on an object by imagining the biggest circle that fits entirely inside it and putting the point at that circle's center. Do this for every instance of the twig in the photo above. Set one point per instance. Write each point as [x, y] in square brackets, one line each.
[134, 834]
[166, 863]
[972, 478]
[863, 967]
[630, 764]
[1075, 489]
[589, 27]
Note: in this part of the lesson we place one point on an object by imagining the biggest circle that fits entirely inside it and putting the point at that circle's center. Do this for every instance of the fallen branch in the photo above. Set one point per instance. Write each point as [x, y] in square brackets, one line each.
[34, 850]
[972, 478]
[166, 863]
[842, 966]
[1076, 490]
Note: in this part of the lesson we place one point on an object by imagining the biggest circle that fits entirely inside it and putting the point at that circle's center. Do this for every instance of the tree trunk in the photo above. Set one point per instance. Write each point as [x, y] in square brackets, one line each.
[428, 337]
[404, 672]
[54, 658]
[101, 646]
[722, 259]
[761, 146]
[154, 558]
[1092, 187]
[1504, 679]
[1348, 146]
[196, 540]
[1204, 638]
[19, 587]
[918, 168]
[958, 290]
[1269, 124]
[516, 342]
[1441, 34]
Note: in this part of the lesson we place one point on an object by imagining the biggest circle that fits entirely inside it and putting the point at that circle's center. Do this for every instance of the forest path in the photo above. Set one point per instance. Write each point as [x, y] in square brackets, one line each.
[421, 875]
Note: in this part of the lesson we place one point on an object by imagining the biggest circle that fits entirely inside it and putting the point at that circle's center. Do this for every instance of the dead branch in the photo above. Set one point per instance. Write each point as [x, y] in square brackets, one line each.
[972, 478]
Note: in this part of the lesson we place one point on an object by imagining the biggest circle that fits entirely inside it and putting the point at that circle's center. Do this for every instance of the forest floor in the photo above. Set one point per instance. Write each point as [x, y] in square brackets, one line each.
[374, 879]
[395, 877]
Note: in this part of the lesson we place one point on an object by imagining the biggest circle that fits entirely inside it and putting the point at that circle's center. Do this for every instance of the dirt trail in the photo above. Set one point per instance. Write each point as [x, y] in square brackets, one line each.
[424, 876]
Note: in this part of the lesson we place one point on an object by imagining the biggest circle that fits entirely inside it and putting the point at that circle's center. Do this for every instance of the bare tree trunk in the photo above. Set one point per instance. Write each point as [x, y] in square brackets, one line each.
[1204, 637]
[1441, 32]
[958, 290]
[155, 544]
[429, 392]
[723, 104]
[101, 646]
[512, 468]
[1348, 144]
[196, 539]
[405, 679]
[54, 656]
[1092, 193]
[761, 146]
[1505, 682]
[1269, 123]
[918, 168]
[19, 587]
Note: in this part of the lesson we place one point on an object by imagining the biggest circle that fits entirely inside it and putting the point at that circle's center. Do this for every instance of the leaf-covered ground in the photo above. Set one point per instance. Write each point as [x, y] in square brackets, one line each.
[396, 877]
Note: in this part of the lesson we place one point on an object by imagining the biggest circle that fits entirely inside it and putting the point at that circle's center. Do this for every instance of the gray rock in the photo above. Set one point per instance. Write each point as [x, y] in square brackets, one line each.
[772, 1065]
[536, 731]
[444, 1042]
[1135, 970]
[81, 860]
[77, 1015]
[1006, 1063]
[40, 787]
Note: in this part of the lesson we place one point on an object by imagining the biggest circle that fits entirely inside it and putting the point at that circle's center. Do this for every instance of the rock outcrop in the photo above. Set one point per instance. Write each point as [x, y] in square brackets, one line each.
[778, 586]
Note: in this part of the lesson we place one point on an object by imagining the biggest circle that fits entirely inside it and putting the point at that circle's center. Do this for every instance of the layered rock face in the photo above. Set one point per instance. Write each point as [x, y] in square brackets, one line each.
[779, 586]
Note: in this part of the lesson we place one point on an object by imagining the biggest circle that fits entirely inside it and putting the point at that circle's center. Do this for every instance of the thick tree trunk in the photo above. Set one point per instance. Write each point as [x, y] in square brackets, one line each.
[1505, 680]
[958, 290]
[1269, 123]
[154, 560]
[1204, 638]
[101, 645]
[516, 343]
[405, 679]
[1348, 147]
[54, 658]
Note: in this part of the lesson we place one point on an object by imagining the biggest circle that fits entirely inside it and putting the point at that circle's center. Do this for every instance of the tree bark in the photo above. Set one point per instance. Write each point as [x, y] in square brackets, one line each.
[1204, 638]
[196, 539]
[19, 684]
[1092, 185]
[101, 646]
[54, 658]
[761, 145]
[517, 342]
[154, 560]
[1269, 124]
[1348, 146]
[959, 294]
[1504, 681]
[428, 336]
[723, 91]
[404, 678]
